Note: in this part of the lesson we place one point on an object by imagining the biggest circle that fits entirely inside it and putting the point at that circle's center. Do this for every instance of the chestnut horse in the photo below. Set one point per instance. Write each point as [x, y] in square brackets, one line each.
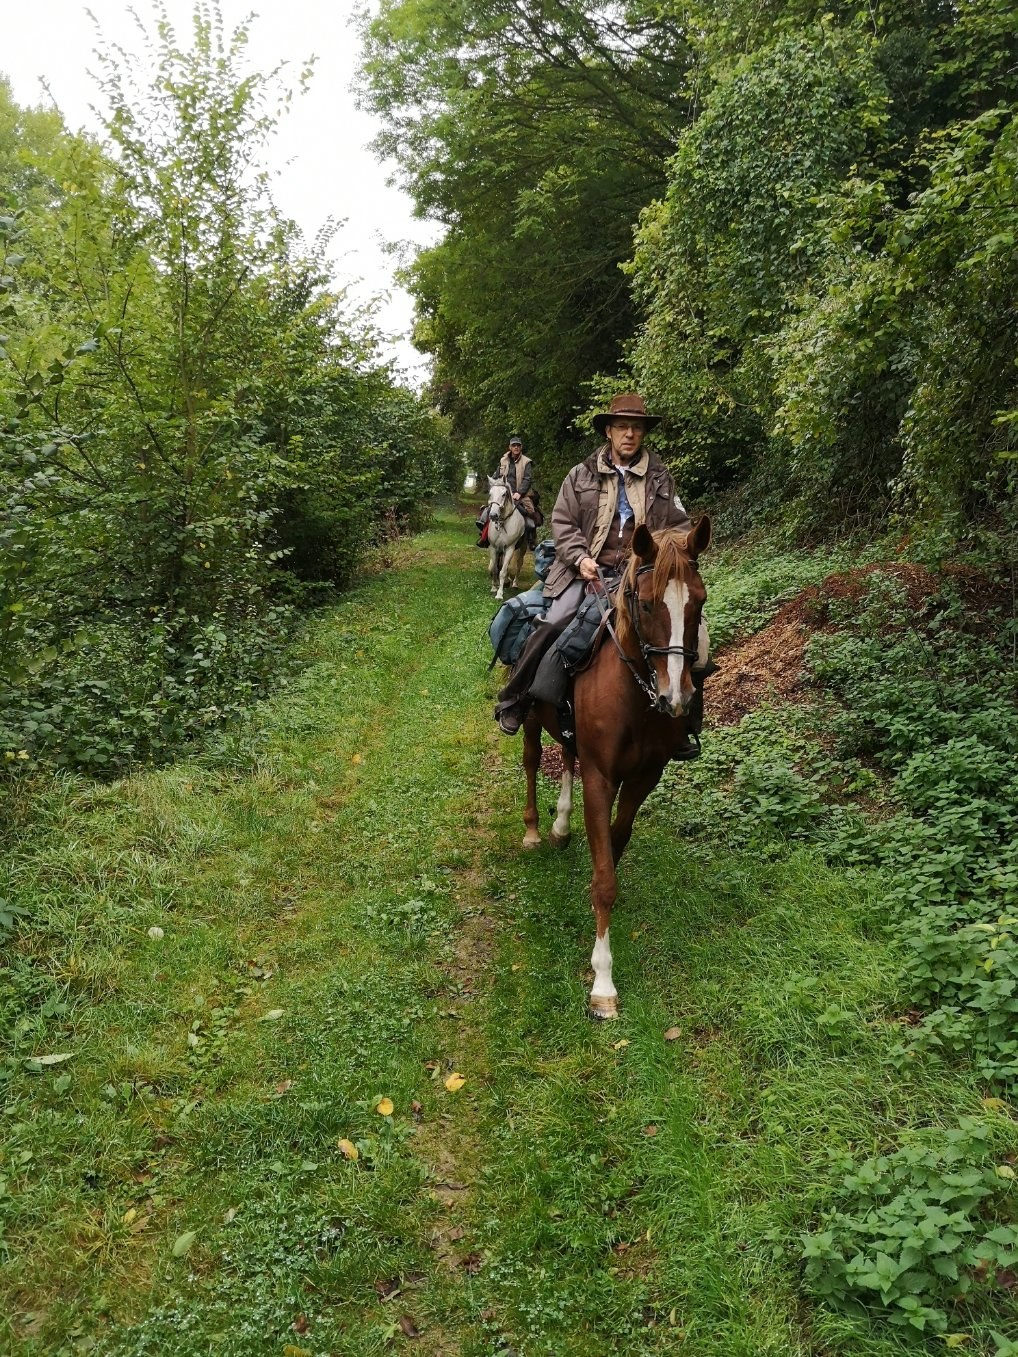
[629, 706]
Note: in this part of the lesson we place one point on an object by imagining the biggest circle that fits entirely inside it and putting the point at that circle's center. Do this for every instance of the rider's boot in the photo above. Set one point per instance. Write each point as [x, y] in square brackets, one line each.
[694, 715]
[514, 700]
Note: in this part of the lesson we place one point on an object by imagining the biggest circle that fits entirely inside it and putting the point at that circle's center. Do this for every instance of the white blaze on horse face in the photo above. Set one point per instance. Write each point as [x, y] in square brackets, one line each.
[675, 599]
[601, 960]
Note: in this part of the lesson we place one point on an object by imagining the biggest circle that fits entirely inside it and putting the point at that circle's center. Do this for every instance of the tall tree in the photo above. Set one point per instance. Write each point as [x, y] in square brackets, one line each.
[535, 134]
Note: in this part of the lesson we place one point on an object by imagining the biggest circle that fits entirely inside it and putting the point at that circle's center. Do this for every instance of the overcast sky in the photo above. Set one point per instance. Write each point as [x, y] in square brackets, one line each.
[321, 148]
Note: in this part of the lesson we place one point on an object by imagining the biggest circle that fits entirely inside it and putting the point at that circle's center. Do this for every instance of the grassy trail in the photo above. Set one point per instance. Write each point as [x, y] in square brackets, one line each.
[347, 917]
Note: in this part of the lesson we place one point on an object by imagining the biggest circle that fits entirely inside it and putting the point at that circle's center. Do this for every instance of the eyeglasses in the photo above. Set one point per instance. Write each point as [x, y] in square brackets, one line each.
[629, 425]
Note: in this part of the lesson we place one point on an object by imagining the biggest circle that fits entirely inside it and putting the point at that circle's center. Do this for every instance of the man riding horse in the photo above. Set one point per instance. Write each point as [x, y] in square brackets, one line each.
[601, 503]
[517, 471]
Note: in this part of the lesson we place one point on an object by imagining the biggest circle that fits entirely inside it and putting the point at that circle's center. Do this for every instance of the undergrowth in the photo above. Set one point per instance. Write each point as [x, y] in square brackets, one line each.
[903, 770]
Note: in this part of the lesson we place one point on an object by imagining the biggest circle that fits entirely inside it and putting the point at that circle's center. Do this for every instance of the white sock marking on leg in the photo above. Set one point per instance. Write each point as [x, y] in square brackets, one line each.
[565, 805]
[601, 960]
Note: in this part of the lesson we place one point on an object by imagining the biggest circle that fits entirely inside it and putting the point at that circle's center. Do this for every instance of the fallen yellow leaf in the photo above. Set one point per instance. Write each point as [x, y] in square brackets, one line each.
[673, 1034]
[348, 1149]
[455, 1082]
[385, 1107]
[129, 1215]
[1005, 1171]
[618, 1045]
[357, 759]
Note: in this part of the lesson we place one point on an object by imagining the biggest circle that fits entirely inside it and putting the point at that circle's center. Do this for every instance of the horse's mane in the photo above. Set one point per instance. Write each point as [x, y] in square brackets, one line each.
[671, 562]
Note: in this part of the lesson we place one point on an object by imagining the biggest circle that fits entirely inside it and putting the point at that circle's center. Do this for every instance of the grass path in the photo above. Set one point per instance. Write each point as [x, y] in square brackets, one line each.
[347, 917]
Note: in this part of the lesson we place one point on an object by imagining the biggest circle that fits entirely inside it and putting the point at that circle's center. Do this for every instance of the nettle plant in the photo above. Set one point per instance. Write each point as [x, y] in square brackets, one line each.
[966, 975]
[921, 1235]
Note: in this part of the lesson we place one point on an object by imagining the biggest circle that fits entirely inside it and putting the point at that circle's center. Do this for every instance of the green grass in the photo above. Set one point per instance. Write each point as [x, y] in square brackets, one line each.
[352, 862]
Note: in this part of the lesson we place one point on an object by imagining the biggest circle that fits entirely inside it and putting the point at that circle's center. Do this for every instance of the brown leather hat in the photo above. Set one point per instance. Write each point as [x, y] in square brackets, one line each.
[629, 403]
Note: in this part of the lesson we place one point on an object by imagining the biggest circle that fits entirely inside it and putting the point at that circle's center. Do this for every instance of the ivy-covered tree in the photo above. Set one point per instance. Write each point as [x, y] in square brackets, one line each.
[534, 134]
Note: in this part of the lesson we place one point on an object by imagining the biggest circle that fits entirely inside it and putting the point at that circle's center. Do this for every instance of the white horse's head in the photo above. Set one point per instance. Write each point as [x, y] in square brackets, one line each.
[500, 500]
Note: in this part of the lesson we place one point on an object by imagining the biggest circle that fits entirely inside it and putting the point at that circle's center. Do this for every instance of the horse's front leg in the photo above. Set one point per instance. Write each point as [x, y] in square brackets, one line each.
[631, 797]
[531, 763]
[598, 797]
[561, 830]
[507, 557]
[493, 570]
[518, 554]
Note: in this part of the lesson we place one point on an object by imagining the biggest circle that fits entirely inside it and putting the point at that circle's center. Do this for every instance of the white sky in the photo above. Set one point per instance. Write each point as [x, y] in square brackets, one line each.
[320, 151]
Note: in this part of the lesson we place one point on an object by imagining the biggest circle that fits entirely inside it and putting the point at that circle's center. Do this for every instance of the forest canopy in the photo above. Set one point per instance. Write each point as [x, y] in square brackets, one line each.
[791, 226]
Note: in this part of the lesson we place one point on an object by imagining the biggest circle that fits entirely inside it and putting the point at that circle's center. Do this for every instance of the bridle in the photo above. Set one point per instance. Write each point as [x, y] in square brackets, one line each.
[497, 509]
[632, 600]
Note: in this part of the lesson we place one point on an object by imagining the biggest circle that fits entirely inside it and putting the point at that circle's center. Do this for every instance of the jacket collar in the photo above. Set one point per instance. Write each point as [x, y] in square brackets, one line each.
[604, 464]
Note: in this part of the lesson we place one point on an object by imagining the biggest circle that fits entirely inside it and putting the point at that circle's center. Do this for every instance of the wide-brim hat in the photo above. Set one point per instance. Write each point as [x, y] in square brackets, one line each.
[629, 403]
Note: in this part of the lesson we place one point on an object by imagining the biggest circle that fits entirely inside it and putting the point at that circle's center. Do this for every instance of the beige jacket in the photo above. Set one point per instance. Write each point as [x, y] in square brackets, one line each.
[523, 475]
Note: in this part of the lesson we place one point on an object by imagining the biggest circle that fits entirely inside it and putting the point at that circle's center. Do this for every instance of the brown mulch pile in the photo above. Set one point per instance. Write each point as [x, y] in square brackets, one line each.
[551, 763]
[765, 666]
[769, 664]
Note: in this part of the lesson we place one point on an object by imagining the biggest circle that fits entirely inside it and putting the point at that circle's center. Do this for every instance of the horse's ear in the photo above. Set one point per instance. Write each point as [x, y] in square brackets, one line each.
[492, 480]
[698, 538]
[644, 545]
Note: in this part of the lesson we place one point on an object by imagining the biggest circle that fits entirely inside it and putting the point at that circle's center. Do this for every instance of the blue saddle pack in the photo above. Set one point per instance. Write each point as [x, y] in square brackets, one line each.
[512, 624]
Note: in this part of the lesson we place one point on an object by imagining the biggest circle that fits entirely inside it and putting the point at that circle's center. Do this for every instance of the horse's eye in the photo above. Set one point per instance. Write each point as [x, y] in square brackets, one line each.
[646, 607]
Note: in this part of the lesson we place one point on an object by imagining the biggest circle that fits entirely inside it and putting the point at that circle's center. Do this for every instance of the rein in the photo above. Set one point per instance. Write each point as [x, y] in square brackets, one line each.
[632, 597]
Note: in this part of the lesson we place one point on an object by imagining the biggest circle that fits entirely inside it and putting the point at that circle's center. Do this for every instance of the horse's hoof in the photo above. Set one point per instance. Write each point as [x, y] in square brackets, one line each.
[558, 840]
[531, 839]
[603, 1010]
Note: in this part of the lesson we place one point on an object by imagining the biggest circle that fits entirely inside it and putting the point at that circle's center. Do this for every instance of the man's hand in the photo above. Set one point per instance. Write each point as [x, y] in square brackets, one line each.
[515, 496]
[588, 568]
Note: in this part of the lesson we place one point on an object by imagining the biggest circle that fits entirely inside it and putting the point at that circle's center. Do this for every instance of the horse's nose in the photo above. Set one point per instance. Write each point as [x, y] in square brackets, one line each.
[663, 704]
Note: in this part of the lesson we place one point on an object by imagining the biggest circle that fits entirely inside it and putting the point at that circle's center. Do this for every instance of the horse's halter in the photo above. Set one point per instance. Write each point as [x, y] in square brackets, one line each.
[633, 600]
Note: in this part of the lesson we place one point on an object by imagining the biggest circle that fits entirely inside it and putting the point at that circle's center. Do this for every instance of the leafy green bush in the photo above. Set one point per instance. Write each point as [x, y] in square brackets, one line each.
[918, 1231]
[920, 698]
[916, 722]
[186, 411]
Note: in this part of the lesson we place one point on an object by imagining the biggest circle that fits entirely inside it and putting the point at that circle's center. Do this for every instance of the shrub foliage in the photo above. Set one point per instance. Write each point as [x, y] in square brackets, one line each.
[186, 411]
